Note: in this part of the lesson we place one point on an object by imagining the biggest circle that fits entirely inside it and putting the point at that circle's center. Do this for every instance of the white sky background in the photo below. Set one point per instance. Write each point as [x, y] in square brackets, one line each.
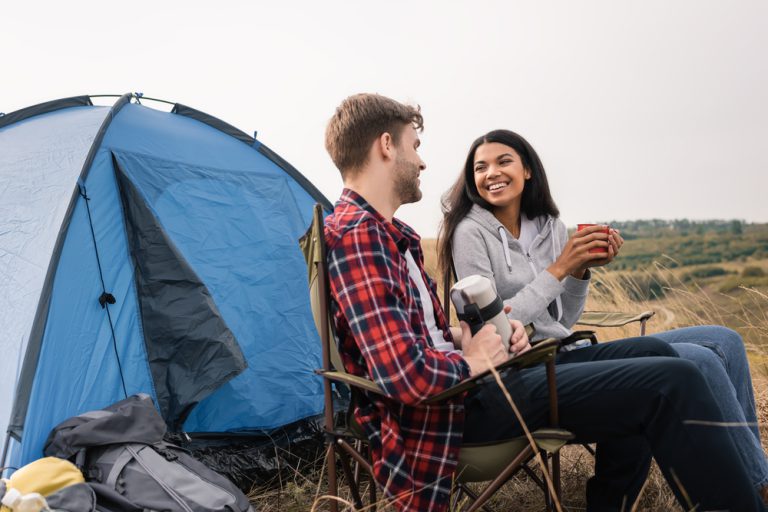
[653, 109]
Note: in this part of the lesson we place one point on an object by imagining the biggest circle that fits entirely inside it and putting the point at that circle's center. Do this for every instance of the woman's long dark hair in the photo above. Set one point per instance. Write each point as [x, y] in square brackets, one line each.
[458, 200]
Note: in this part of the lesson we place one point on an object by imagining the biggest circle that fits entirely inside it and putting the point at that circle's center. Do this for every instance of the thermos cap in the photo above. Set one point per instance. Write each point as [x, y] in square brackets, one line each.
[475, 289]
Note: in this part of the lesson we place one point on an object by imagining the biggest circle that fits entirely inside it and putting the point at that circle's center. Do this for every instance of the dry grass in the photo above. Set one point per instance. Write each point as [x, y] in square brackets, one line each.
[744, 310]
[684, 304]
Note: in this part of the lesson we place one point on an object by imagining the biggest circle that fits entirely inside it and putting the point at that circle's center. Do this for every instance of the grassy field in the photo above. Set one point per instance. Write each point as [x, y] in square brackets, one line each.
[683, 290]
[690, 243]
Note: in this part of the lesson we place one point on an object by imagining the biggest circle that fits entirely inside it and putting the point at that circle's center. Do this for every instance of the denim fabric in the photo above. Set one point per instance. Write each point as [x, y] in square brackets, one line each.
[621, 464]
[719, 353]
[638, 405]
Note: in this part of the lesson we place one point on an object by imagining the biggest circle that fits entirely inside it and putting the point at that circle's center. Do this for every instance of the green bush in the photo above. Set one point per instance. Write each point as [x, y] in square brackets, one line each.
[732, 283]
[703, 273]
[701, 259]
[752, 272]
[644, 287]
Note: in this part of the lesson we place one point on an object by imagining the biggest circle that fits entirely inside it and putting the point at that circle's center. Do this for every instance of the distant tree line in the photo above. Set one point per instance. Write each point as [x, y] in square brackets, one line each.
[684, 242]
[677, 227]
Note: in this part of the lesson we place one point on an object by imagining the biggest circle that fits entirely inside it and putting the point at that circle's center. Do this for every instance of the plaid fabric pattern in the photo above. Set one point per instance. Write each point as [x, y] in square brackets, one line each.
[382, 335]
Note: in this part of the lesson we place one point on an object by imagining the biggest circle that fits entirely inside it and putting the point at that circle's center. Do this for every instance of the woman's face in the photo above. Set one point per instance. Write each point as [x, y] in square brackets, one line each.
[499, 174]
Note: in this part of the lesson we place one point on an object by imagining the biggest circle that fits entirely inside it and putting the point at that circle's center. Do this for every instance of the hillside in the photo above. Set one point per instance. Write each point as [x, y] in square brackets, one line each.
[688, 242]
[688, 271]
[685, 243]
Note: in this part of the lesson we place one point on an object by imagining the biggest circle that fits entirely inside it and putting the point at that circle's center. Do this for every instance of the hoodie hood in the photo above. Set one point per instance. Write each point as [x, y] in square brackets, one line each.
[487, 221]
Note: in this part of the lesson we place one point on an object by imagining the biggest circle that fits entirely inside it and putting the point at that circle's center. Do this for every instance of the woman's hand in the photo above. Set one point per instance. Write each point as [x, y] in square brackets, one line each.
[614, 246]
[575, 258]
[616, 241]
[519, 342]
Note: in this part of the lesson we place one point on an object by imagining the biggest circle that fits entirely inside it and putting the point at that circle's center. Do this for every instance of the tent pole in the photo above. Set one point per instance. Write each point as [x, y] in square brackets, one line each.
[5, 452]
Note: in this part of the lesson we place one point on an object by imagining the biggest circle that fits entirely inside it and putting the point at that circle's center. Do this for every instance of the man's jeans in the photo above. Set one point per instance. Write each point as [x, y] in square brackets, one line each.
[719, 353]
[632, 404]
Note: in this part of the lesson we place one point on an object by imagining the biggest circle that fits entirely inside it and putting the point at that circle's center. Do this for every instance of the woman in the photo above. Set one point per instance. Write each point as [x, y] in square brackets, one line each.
[501, 222]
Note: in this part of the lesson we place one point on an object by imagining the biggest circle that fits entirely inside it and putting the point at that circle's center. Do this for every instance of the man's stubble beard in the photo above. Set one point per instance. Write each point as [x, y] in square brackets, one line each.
[406, 181]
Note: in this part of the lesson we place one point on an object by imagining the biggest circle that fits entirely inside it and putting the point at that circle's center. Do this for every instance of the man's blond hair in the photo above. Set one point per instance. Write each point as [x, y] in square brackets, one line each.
[361, 119]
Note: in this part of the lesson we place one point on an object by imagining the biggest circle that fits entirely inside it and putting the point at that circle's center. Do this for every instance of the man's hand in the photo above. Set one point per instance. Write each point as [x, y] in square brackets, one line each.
[484, 350]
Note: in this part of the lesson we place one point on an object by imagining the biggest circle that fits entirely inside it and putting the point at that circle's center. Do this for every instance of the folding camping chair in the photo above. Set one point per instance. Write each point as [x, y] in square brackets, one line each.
[492, 461]
[601, 319]
[615, 319]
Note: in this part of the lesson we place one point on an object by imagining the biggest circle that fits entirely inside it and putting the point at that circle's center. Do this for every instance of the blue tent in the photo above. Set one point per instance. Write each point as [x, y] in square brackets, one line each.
[149, 251]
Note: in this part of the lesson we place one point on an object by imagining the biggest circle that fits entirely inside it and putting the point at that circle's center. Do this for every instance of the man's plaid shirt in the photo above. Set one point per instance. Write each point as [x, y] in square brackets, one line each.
[382, 335]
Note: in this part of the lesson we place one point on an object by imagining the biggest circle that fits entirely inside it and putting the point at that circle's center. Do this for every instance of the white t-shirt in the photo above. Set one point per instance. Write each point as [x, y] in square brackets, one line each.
[428, 310]
[529, 230]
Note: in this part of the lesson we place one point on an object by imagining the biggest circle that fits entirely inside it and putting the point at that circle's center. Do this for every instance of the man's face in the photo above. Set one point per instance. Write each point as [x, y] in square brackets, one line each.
[408, 165]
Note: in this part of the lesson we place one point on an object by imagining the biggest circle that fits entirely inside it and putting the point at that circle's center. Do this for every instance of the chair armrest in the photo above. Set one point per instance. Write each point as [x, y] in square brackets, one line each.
[579, 336]
[612, 318]
[530, 330]
[352, 380]
[544, 350]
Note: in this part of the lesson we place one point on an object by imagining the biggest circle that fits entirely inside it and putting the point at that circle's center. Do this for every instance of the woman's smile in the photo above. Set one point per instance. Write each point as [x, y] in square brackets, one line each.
[499, 174]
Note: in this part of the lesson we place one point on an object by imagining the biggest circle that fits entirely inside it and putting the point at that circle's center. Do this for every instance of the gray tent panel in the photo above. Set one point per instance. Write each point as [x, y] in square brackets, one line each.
[190, 349]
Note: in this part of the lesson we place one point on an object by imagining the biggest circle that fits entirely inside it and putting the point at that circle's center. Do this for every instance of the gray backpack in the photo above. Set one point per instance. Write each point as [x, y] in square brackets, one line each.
[122, 448]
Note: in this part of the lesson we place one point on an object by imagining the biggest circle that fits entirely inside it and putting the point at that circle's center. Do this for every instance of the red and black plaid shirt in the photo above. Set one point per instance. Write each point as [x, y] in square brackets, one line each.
[382, 335]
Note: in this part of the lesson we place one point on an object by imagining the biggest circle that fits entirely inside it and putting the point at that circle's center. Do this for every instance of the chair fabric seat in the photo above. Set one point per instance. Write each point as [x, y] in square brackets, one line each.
[482, 462]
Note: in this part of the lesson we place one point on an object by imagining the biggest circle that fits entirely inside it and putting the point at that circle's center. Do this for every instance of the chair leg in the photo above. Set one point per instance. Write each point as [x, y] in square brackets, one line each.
[554, 420]
[372, 495]
[371, 487]
[356, 465]
[333, 486]
[458, 490]
[472, 496]
[556, 475]
[502, 478]
[353, 484]
[350, 451]
[549, 503]
[533, 476]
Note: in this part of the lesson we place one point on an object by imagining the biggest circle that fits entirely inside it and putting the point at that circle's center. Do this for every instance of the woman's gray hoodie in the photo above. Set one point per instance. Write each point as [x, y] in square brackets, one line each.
[482, 245]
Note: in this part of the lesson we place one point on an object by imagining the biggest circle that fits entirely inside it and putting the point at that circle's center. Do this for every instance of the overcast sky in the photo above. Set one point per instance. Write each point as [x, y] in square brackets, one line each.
[638, 109]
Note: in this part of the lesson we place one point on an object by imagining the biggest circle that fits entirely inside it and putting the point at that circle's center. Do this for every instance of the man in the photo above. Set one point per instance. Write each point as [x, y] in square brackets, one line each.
[392, 329]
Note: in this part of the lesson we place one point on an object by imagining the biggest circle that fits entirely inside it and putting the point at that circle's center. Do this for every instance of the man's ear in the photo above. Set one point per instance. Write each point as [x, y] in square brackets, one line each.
[386, 146]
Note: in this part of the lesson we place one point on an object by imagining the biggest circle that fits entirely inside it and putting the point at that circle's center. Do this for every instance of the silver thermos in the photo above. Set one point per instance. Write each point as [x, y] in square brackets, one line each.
[477, 303]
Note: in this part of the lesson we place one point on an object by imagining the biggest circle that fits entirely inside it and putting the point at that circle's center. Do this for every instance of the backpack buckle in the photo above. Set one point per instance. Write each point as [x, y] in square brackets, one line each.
[93, 473]
[168, 454]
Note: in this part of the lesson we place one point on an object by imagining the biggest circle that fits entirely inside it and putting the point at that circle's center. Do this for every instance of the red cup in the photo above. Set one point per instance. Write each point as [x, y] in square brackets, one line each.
[605, 229]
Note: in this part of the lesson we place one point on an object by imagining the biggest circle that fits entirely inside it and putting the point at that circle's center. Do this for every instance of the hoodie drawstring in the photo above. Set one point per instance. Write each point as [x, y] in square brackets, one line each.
[505, 245]
[555, 253]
